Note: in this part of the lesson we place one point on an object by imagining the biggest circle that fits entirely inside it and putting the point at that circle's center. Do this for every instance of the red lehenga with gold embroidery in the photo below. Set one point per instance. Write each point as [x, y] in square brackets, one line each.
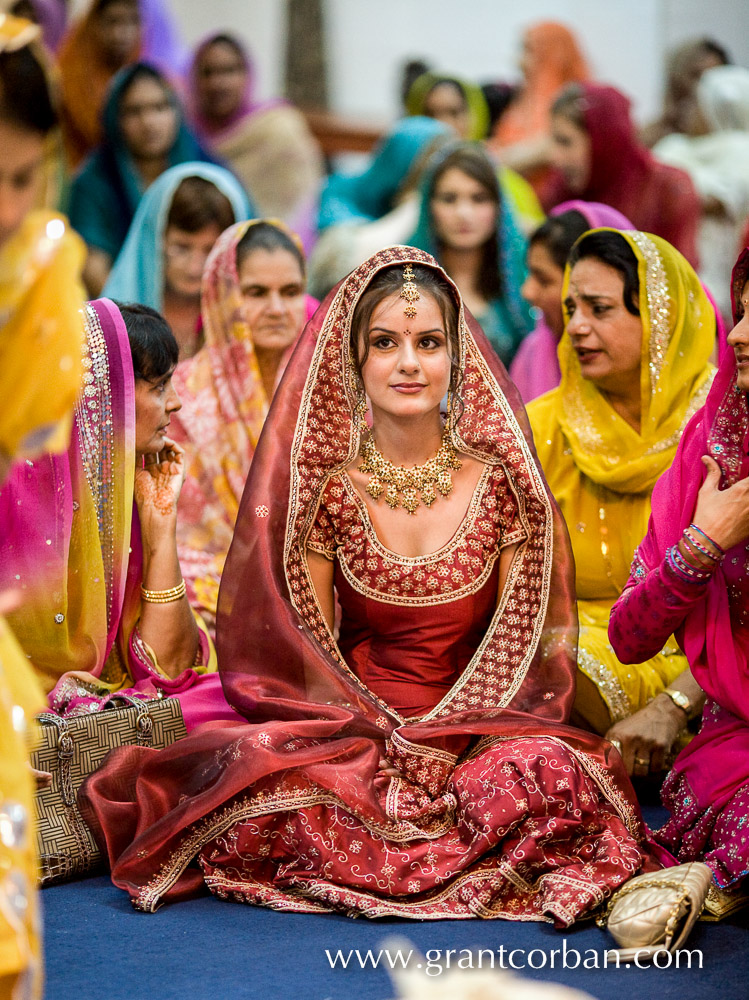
[500, 808]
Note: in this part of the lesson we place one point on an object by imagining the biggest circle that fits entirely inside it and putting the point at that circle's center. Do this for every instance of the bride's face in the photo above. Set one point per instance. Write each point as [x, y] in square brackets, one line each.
[407, 368]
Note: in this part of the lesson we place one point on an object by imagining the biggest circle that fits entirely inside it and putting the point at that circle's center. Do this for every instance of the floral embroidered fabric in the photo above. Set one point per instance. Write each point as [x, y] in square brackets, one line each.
[413, 668]
[343, 529]
[491, 804]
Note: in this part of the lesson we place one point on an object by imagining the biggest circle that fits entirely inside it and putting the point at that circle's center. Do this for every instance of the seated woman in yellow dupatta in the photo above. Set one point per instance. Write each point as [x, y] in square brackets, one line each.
[40, 337]
[634, 360]
[253, 309]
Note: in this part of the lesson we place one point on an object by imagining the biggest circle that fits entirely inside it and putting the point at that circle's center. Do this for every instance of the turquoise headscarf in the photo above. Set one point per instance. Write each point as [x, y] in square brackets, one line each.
[508, 319]
[105, 193]
[368, 196]
[138, 273]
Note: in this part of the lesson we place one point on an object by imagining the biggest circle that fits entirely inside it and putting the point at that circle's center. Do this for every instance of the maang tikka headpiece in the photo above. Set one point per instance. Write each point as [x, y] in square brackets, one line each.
[409, 292]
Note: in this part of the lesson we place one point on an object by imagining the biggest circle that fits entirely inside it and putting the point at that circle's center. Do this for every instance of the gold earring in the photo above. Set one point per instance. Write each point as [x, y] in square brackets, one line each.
[360, 410]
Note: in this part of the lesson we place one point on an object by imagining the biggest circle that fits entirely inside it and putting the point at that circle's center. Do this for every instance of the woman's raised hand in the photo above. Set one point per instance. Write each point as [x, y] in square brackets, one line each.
[159, 483]
[722, 514]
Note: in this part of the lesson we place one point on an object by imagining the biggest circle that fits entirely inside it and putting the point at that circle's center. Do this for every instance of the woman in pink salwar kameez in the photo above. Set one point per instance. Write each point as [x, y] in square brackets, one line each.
[690, 576]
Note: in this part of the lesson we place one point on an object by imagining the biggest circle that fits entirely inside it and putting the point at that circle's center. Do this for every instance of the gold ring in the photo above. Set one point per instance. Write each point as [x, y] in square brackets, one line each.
[617, 744]
[642, 761]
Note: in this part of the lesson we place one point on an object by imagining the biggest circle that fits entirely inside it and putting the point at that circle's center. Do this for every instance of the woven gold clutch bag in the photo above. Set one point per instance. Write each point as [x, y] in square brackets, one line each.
[656, 912]
[72, 749]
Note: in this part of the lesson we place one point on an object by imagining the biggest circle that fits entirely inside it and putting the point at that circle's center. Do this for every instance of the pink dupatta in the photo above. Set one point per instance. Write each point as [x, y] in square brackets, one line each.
[713, 770]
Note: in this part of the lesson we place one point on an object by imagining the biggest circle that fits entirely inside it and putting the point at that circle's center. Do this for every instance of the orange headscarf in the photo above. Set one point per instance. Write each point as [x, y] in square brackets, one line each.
[557, 60]
[84, 79]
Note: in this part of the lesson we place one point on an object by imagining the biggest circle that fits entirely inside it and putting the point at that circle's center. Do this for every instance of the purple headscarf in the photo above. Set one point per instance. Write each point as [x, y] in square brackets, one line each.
[160, 42]
[51, 16]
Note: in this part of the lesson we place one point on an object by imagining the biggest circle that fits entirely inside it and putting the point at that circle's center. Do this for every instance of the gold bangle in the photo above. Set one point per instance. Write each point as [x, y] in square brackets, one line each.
[681, 701]
[164, 596]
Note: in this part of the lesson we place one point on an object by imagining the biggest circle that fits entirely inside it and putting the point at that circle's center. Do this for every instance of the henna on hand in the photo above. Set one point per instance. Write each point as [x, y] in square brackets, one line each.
[159, 483]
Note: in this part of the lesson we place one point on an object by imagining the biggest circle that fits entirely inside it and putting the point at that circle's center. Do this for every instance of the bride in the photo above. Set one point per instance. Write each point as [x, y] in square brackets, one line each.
[413, 759]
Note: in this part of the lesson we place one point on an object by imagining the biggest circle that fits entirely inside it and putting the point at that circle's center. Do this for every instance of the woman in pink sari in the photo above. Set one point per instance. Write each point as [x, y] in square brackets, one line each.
[253, 308]
[690, 576]
[416, 761]
[91, 535]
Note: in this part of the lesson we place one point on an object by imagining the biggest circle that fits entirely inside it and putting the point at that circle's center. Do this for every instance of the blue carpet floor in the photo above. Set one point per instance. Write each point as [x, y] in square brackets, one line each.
[99, 948]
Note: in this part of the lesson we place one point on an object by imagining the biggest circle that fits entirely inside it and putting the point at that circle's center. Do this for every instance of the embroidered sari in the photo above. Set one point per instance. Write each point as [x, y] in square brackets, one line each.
[40, 344]
[74, 549]
[224, 406]
[500, 809]
[707, 792]
[507, 319]
[535, 367]
[602, 471]
[657, 198]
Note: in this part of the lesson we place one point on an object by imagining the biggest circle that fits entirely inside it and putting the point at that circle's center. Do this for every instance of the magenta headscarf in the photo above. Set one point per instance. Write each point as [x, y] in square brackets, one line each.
[535, 367]
[595, 213]
[715, 762]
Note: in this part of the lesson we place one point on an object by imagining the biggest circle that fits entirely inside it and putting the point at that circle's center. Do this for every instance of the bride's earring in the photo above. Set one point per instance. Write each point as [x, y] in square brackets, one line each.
[450, 416]
[360, 410]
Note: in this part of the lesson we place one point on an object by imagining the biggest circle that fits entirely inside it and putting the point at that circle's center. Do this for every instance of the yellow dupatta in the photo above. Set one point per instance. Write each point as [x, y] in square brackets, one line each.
[678, 336]
[40, 364]
[40, 334]
[602, 471]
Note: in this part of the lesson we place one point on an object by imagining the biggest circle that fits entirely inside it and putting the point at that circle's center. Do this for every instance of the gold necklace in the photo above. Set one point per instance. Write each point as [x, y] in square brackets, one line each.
[427, 479]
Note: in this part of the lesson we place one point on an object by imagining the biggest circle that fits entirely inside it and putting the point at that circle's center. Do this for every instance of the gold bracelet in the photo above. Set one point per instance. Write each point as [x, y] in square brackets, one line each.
[164, 596]
[681, 701]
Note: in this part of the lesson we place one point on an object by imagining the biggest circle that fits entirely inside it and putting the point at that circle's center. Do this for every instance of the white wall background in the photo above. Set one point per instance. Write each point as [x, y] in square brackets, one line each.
[625, 40]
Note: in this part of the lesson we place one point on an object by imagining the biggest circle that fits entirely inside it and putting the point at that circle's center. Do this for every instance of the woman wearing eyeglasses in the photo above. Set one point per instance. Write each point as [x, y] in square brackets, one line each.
[177, 223]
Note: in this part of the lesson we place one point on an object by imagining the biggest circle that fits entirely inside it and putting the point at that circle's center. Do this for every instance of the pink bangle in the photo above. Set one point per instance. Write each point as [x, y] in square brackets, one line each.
[708, 539]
